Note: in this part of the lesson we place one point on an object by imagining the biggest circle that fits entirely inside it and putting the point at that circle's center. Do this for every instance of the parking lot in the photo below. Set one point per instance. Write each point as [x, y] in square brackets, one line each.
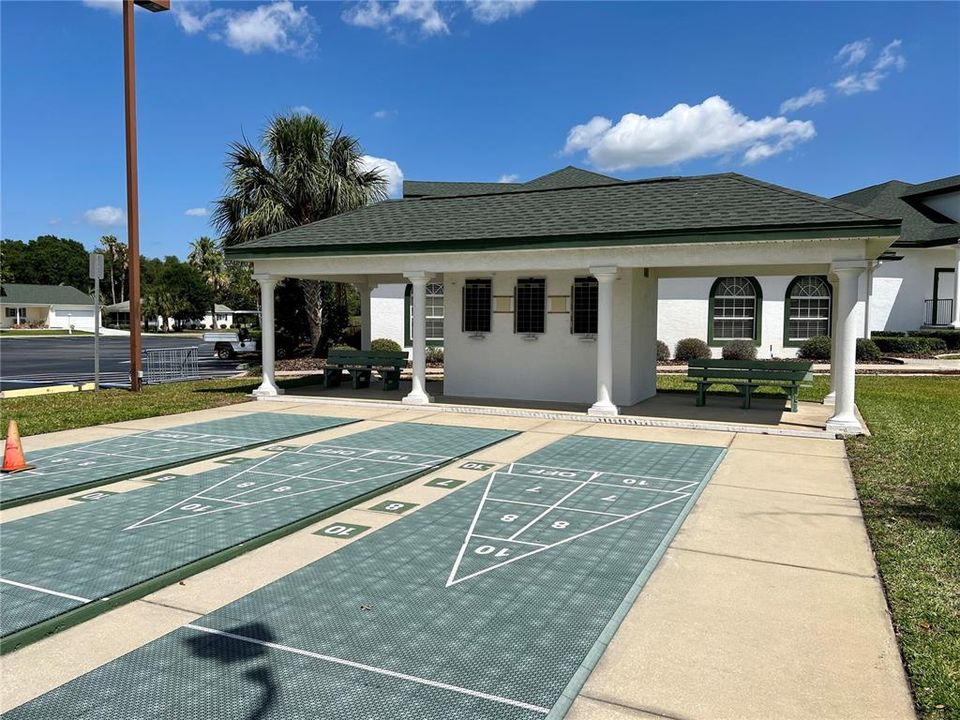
[38, 361]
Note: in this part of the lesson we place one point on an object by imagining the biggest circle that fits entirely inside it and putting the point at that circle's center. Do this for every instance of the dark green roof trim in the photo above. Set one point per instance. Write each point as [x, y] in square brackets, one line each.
[933, 187]
[886, 229]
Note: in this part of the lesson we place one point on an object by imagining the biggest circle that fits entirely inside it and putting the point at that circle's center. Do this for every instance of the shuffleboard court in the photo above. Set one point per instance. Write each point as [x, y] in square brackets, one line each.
[83, 559]
[69, 468]
[491, 603]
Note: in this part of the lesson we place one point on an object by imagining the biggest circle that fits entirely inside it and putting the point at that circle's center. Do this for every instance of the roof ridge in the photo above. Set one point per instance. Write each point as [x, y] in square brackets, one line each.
[829, 202]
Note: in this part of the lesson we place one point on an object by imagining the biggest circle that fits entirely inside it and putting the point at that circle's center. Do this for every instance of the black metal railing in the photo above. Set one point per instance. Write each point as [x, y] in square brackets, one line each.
[938, 312]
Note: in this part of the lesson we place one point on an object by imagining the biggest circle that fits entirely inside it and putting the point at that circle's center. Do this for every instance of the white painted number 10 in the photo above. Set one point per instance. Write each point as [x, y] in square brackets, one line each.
[488, 549]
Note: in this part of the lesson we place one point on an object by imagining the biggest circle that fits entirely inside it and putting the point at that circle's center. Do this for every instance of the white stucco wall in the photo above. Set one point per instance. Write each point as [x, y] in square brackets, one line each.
[900, 287]
[386, 312]
[557, 365]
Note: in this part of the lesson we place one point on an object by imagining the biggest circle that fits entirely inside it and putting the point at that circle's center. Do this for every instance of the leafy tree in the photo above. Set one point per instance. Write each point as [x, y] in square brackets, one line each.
[302, 172]
[206, 257]
[241, 291]
[46, 260]
[173, 290]
[115, 266]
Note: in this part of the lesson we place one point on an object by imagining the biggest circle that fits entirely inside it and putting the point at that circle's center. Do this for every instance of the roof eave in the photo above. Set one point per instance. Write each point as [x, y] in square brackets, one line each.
[706, 235]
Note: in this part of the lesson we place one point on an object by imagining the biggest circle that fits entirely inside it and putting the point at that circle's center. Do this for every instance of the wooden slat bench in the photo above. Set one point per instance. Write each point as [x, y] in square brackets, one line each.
[745, 375]
[360, 364]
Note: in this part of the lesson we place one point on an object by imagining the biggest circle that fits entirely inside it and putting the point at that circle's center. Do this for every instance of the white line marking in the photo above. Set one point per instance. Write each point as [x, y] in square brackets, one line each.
[35, 588]
[561, 542]
[602, 472]
[373, 669]
[521, 542]
[554, 506]
[226, 500]
[473, 524]
[559, 507]
[602, 484]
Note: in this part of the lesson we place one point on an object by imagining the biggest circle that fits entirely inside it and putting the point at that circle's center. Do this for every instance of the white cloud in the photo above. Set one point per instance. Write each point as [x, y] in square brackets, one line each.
[853, 53]
[813, 96]
[392, 16]
[491, 11]
[106, 216]
[890, 58]
[384, 114]
[508, 178]
[278, 26]
[55, 221]
[390, 171]
[195, 212]
[112, 5]
[683, 133]
[301, 110]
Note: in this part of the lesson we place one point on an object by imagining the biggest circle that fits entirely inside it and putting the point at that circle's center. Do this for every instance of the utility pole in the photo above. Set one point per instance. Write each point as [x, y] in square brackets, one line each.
[133, 203]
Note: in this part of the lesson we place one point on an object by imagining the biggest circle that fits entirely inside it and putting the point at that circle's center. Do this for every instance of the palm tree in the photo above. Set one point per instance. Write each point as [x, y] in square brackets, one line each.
[206, 256]
[116, 257]
[303, 172]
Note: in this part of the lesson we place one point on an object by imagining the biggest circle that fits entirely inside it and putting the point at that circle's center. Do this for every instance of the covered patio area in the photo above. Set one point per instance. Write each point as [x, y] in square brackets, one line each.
[551, 292]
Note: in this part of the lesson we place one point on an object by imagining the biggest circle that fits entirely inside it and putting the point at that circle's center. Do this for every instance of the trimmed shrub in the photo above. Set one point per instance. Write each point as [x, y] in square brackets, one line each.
[434, 355]
[950, 337]
[915, 345]
[385, 345]
[739, 350]
[663, 352]
[887, 333]
[341, 346]
[867, 351]
[691, 349]
[816, 348]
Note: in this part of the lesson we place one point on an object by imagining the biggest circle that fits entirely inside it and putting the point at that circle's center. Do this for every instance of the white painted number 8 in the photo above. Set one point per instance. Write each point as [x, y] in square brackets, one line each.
[560, 524]
[509, 518]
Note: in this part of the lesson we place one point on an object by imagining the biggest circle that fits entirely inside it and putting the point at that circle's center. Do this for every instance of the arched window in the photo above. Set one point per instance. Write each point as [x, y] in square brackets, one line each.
[434, 313]
[808, 306]
[734, 310]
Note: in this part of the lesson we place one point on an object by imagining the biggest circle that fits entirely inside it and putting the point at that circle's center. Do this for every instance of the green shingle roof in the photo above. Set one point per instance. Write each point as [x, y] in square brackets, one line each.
[569, 176]
[17, 294]
[666, 209]
[946, 184]
[918, 230]
[421, 188]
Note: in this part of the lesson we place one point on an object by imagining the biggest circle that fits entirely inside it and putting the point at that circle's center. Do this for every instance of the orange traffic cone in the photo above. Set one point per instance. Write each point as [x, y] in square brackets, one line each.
[13, 460]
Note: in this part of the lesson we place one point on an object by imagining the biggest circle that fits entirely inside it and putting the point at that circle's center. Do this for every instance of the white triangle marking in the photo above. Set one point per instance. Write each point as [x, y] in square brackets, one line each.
[471, 535]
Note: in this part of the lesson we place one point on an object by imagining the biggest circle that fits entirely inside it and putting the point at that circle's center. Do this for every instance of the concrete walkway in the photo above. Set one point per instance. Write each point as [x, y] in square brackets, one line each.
[766, 605]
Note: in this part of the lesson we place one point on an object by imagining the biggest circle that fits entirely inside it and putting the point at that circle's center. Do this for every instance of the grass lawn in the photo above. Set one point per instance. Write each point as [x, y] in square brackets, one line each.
[907, 474]
[908, 477]
[64, 411]
[6, 332]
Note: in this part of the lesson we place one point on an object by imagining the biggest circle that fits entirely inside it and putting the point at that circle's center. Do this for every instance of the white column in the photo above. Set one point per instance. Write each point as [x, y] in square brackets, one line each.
[605, 277]
[956, 291]
[365, 317]
[845, 419]
[831, 398]
[867, 297]
[268, 386]
[418, 338]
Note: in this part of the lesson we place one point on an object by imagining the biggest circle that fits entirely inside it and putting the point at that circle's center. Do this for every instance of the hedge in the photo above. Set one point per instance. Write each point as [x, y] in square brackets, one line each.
[691, 349]
[915, 345]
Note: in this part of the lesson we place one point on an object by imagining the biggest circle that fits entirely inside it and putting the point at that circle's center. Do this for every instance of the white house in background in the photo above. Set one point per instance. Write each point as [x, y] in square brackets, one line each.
[50, 306]
[550, 289]
[119, 314]
[912, 286]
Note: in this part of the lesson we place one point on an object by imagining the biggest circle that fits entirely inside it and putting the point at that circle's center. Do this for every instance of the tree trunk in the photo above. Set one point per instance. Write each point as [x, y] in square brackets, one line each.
[313, 296]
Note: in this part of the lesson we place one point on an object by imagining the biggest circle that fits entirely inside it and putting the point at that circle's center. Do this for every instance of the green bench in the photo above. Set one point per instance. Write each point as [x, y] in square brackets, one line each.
[360, 364]
[746, 375]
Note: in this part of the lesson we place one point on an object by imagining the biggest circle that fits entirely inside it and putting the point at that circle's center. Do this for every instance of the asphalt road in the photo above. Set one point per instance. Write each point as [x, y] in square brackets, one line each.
[37, 361]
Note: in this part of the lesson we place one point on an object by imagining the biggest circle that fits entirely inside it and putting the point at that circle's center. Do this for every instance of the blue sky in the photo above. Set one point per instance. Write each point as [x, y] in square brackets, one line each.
[476, 91]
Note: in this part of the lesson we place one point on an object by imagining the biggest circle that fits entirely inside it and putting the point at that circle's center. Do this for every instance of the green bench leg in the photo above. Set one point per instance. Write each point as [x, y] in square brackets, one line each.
[793, 399]
[391, 379]
[360, 378]
[701, 394]
[332, 377]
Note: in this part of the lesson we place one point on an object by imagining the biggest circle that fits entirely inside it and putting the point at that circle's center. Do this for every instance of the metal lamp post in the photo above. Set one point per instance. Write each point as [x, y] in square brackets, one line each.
[133, 206]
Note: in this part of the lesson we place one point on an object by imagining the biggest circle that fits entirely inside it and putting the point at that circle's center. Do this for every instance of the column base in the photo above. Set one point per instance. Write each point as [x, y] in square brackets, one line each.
[267, 389]
[845, 425]
[831, 398]
[603, 409]
[417, 399]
